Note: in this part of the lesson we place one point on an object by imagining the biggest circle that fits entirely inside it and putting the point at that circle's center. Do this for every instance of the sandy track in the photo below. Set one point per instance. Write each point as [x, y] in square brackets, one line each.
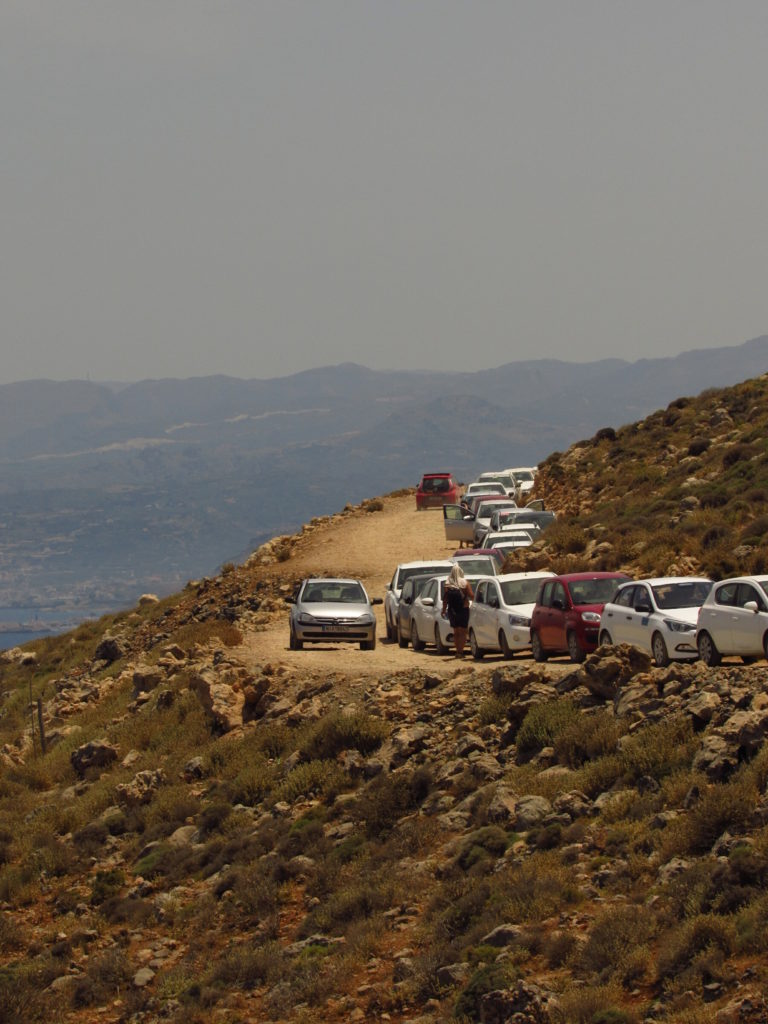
[367, 546]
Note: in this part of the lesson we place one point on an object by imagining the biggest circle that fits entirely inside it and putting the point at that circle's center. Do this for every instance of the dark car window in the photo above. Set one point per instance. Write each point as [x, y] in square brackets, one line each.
[691, 594]
[747, 592]
[560, 595]
[625, 597]
[480, 594]
[593, 591]
[520, 591]
[407, 593]
[546, 595]
[726, 594]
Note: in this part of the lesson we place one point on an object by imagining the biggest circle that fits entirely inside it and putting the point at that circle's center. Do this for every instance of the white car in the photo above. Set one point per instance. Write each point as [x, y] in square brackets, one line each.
[483, 516]
[503, 477]
[657, 615]
[485, 487]
[427, 623]
[512, 538]
[734, 620]
[395, 586]
[500, 615]
[525, 477]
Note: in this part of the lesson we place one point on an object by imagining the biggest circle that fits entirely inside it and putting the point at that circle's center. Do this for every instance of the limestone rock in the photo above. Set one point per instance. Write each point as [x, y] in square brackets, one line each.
[96, 754]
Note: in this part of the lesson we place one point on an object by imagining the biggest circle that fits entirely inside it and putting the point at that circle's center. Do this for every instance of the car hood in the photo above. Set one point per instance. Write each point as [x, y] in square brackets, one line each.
[519, 609]
[689, 615]
[340, 610]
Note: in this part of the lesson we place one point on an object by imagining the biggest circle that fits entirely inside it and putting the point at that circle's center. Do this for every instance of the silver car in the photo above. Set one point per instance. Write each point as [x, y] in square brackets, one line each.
[328, 610]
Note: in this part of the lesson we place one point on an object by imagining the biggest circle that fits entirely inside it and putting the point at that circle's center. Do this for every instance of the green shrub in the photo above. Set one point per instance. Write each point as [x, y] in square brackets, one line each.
[542, 725]
[587, 738]
[487, 978]
[658, 749]
[679, 949]
[336, 732]
[315, 778]
[613, 938]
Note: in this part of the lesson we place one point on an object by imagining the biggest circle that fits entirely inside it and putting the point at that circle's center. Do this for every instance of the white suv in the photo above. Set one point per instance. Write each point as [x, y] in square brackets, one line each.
[395, 586]
[734, 620]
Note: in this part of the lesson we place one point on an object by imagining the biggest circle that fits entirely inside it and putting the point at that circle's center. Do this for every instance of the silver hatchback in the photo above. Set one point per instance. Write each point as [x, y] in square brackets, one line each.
[330, 610]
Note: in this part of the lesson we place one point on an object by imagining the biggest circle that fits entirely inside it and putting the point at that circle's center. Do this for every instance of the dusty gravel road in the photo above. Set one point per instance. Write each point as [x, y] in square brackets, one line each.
[367, 546]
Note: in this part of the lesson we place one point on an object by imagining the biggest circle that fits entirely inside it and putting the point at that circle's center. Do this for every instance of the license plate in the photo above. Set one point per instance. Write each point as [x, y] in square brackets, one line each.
[331, 627]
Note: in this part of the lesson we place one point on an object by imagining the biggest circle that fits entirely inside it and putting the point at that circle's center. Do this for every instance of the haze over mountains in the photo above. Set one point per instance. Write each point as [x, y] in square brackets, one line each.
[109, 490]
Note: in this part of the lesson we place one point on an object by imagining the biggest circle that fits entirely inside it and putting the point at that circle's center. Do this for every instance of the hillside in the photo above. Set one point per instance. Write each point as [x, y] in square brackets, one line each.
[223, 829]
[111, 491]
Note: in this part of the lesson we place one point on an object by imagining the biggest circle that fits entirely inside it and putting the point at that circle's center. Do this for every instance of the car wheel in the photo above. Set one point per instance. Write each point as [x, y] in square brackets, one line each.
[506, 650]
[416, 643]
[391, 631]
[294, 643]
[605, 639]
[402, 638]
[577, 653]
[538, 652]
[659, 650]
[368, 645]
[440, 647]
[708, 653]
[477, 652]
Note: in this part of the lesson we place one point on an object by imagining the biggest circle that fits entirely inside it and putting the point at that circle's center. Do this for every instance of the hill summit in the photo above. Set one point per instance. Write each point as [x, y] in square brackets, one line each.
[219, 828]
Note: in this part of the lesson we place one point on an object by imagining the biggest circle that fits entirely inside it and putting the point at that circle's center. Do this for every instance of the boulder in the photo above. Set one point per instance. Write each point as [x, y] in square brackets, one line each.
[145, 679]
[110, 648]
[95, 754]
[141, 787]
[222, 699]
[525, 1003]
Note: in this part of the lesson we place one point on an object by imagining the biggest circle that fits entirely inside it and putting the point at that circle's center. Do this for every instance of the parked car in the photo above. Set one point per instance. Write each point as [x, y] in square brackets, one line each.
[541, 517]
[517, 538]
[566, 619]
[395, 585]
[657, 615]
[478, 562]
[734, 620]
[500, 615]
[505, 518]
[524, 479]
[507, 481]
[484, 487]
[427, 623]
[329, 610]
[483, 516]
[435, 489]
[412, 587]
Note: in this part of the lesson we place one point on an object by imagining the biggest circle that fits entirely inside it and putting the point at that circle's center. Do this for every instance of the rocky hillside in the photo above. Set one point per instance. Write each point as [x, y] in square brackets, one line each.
[219, 829]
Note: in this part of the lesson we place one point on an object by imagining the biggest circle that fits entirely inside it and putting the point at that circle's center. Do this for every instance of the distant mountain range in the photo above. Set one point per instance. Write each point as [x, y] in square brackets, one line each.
[110, 490]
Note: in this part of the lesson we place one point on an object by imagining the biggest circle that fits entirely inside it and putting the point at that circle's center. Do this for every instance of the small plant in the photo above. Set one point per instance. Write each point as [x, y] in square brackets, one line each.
[542, 725]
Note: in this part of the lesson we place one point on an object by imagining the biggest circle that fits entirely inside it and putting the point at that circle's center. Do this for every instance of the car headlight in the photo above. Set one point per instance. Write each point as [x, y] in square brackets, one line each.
[367, 620]
[519, 620]
[592, 617]
[678, 627]
[306, 619]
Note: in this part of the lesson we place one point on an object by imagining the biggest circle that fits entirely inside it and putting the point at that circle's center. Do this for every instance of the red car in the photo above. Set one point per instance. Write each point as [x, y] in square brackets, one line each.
[566, 619]
[436, 490]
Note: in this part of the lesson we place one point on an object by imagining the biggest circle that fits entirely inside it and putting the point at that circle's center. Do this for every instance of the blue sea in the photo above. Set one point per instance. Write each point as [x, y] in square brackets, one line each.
[41, 622]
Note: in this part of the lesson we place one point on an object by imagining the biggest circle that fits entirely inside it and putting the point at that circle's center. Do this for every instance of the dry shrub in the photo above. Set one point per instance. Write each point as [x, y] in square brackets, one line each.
[336, 732]
[721, 808]
[587, 738]
[208, 632]
[542, 725]
[615, 936]
[565, 538]
[595, 1005]
[658, 749]
[315, 778]
[694, 948]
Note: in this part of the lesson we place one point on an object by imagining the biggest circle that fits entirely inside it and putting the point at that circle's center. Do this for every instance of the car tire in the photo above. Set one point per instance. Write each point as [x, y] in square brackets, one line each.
[416, 643]
[504, 647]
[294, 643]
[606, 640]
[368, 645]
[708, 652]
[537, 650]
[391, 631]
[440, 647]
[659, 651]
[477, 651]
[577, 653]
[402, 638]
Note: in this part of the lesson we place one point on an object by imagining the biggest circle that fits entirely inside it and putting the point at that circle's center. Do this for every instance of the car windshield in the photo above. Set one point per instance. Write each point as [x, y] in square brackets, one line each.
[482, 566]
[520, 591]
[486, 508]
[435, 484]
[764, 585]
[524, 476]
[691, 594]
[333, 592]
[593, 591]
[417, 570]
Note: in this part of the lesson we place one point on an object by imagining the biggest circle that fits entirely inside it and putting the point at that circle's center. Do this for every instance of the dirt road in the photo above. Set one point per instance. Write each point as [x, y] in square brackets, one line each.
[367, 546]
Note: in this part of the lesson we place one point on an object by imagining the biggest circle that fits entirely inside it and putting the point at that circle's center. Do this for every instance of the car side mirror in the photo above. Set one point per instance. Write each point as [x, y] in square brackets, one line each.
[751, 606]
[557, 603]
[428, 602]
[643, 607]
[290, 600]
[377, 600]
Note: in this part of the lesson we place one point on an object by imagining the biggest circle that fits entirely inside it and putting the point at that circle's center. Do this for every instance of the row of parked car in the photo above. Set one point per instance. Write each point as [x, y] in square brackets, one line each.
[673, 618]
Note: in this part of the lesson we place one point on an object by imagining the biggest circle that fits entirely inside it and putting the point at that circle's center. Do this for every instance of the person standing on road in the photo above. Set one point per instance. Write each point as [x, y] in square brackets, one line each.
[458, 594]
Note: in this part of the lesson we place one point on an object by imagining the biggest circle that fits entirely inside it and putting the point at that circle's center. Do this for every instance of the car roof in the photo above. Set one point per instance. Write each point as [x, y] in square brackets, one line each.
[665, 581]
[443, 473]
[573, 577]
[539, 574]
[422, 564]
[762, 580]
[332, 579]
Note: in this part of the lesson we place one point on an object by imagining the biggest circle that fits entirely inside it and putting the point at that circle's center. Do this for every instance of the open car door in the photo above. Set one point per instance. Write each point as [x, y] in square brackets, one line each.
[459, 524]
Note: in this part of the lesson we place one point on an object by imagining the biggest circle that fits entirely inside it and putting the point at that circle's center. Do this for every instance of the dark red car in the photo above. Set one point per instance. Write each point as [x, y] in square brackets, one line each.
[436, 490]
[566, 618]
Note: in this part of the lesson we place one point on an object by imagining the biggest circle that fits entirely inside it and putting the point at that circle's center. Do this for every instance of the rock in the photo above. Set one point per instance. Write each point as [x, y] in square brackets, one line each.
[530, 811]
[501, 809]
[453, 974]
[96, 754]
[110, 649]
[141, 788]
[143, 977]
[146, 600]
[575, 804]
[222, 701]
[194, 769]
[503, 935]
[146, 679]
[525, 1003]
[716, 757]
[185, 835]
[408, 741]
[468, 744]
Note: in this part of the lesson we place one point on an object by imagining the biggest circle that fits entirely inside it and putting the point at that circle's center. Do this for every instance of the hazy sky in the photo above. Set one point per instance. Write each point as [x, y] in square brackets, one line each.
[254, 188]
